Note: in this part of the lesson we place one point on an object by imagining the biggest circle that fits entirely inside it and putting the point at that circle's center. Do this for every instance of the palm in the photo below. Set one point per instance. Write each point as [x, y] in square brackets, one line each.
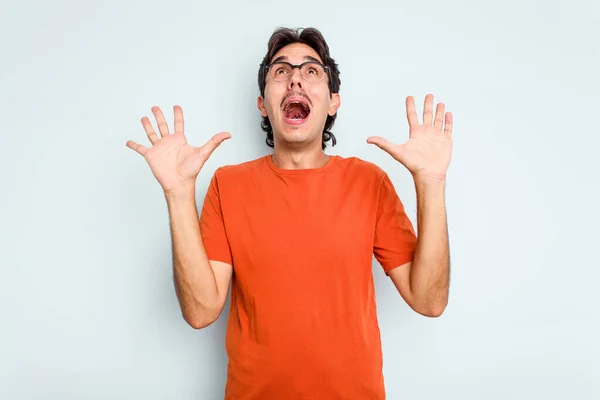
[428, 150]
[425, 152]
[172, 160]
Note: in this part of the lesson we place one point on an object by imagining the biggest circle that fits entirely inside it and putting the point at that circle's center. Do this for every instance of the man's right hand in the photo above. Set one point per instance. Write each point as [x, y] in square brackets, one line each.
[174, 163]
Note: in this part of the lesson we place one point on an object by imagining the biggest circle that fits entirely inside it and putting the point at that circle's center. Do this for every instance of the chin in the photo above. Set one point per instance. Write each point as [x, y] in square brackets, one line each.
[295, 134]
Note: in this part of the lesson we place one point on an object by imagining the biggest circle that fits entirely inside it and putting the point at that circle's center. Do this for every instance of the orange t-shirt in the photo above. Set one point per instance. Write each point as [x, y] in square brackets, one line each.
[303, 321]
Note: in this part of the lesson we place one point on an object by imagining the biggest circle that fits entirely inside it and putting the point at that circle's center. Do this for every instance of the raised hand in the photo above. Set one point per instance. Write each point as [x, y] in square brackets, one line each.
[174, 163]
[427, 152]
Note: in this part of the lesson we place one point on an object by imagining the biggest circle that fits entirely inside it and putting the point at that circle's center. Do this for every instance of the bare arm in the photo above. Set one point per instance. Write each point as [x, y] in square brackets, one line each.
[201, 285]
[424, 283]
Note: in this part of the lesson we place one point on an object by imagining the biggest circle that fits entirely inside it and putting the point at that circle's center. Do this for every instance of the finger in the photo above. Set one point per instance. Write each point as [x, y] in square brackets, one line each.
[160, 120]
[448, 124]
[428, 110]
[150, 130]
[439, 116]
[214, 142]
[137, 147]
[178, 119]
[411, 112]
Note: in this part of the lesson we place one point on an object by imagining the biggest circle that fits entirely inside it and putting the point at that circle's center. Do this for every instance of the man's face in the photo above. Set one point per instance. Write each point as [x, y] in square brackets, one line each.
[297, 108]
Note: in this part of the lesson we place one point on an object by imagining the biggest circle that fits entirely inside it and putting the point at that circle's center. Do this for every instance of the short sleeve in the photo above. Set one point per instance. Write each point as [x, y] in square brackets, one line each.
[212, 226]
[395, 239]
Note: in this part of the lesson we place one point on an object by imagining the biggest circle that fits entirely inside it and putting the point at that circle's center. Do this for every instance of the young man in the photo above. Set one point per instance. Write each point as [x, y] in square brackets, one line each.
[295, 233]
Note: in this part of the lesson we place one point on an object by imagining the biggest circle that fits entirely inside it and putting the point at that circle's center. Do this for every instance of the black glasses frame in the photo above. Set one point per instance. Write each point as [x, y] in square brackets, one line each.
[299, 66]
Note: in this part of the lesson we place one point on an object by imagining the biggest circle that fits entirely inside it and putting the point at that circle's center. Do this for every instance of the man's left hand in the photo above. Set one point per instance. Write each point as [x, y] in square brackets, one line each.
[427, 152]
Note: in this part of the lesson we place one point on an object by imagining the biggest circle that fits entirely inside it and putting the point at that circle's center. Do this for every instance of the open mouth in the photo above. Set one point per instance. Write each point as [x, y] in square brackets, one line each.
[296, 111]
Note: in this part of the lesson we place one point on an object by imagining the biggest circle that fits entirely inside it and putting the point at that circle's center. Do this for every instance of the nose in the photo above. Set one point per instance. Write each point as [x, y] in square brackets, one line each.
[295, 79]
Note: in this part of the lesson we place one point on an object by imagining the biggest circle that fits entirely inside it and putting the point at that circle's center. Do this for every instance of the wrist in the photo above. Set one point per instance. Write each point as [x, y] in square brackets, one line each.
[430, 180]
[181, 192]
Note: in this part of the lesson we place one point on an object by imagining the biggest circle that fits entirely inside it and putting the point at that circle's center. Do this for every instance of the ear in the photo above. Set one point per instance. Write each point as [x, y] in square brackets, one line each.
[334, 103]
[260, 102]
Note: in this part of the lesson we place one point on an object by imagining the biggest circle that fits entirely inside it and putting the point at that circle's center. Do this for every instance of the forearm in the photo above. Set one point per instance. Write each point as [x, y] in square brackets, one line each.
[194, 278]
[430, 270]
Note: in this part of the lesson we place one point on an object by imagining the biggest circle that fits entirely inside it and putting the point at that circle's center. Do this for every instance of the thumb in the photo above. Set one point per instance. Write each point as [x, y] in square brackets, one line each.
[382, 143]
[213, 143]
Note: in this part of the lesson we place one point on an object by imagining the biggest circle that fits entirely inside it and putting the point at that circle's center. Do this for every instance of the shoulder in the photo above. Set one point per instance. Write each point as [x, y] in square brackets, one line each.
[235, 172]
[355, 166]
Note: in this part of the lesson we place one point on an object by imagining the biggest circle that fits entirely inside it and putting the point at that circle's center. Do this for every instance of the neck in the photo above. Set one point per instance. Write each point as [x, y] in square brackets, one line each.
[287, 159]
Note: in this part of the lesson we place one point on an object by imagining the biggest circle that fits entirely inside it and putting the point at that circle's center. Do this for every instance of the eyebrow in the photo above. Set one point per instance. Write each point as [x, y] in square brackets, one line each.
[306, 58]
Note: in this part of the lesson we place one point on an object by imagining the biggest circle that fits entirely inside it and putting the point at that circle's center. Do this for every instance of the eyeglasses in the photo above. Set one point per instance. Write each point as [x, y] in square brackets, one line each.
[311, 71]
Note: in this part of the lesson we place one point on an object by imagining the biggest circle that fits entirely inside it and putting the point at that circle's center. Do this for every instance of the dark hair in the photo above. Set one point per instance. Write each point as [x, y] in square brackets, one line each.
[310, 37]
